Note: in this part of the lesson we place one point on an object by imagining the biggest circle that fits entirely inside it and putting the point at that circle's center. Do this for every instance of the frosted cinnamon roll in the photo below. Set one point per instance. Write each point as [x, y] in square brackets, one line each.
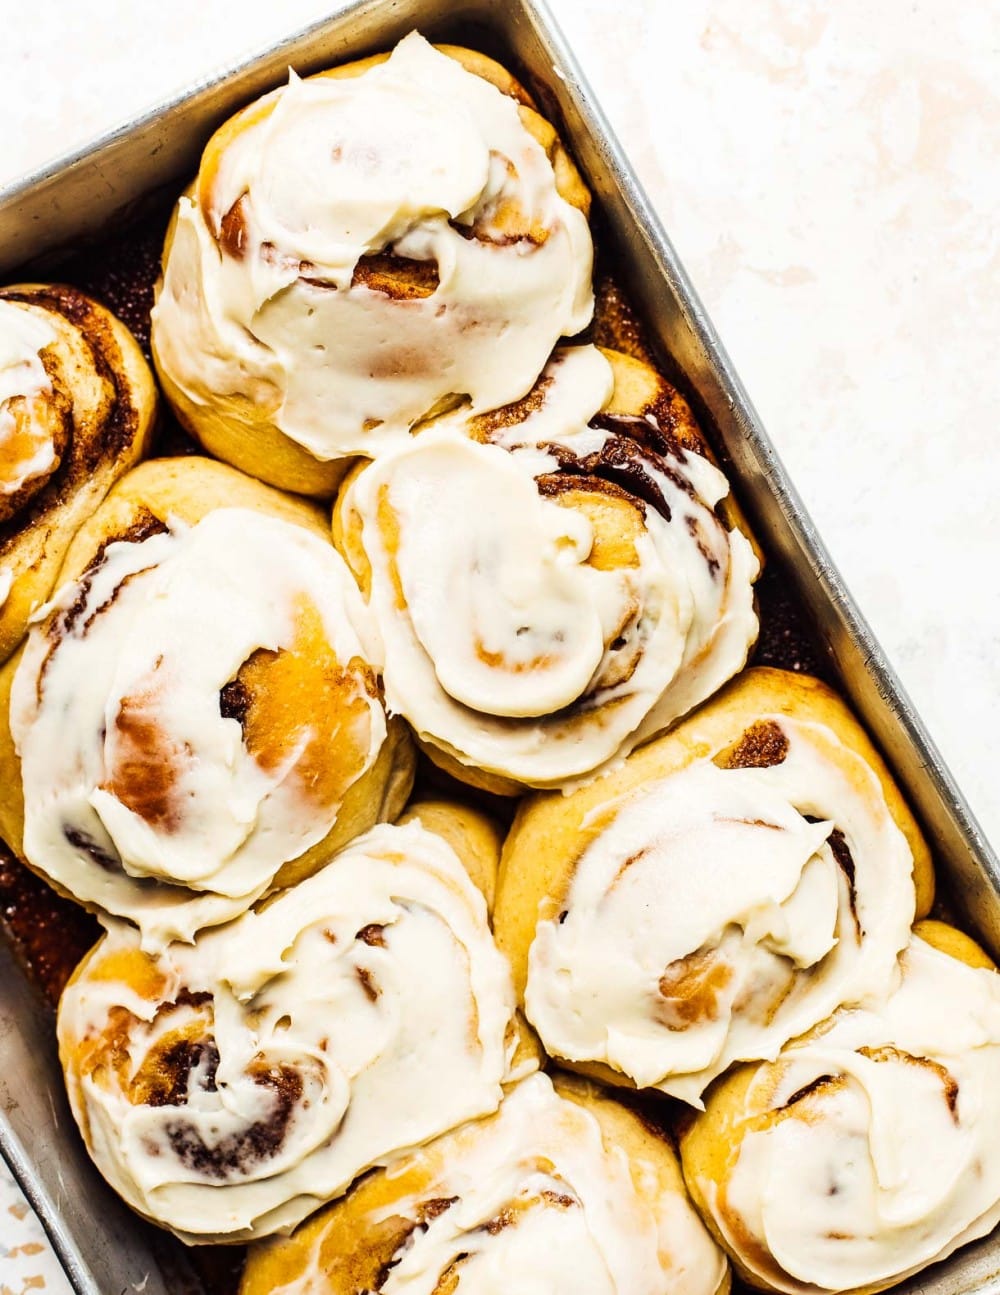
[77, 405]
[226, 1089]
[362, 248]
[867, 1150]
[563, 1191]
[194, 721]
[728, 888]
[551, 582]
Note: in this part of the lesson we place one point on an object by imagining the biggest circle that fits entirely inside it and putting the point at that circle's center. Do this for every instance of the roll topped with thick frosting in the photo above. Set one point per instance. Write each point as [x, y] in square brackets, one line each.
[550, 582]
[867, 1150]
[563, 1191]
[227, 1088]
[362, 248]
[77, 404]
[194, 721]
[730, 887]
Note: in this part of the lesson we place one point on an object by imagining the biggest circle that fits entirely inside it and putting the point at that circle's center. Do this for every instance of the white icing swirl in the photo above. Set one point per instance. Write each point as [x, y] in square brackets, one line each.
[709, 921]
[538, 1199]
[27, 450]
[417, 157]
[888, 1163]
[509, 642]
[140, 796]
[228, 1088]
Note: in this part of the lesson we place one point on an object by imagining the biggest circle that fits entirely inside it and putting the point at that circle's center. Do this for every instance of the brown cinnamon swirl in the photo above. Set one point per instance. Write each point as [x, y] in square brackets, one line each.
[77, 405]
[228, 1088]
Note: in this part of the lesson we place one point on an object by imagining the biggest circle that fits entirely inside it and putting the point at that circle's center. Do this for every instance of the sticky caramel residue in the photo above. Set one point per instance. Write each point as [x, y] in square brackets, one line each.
[233, 229]
[367, 982]
[841, 852]
[148, 765]
[631, 461]
[33, 426]
[486, 426]
[763, 745]
[691, 989]
[300, 703]
[399, 277]
[48, 934]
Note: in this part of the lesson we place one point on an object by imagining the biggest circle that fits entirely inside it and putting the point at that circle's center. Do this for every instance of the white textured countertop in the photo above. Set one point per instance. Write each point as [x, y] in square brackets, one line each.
[830, 174]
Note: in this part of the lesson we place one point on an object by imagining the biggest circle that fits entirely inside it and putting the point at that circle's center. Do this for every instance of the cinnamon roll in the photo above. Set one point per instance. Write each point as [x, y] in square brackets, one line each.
[361, 249]
[728, 888]
[193, 721]
[563, 1191]
[551, 582]
[77, 406]
[867, 1149]
[226, 1089]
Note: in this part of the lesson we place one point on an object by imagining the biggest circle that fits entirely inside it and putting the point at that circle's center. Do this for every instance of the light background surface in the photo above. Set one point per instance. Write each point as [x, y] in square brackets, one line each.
[829, 171]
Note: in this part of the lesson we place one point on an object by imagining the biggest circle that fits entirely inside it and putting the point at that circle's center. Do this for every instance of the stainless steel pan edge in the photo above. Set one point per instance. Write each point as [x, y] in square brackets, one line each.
[100, 1243]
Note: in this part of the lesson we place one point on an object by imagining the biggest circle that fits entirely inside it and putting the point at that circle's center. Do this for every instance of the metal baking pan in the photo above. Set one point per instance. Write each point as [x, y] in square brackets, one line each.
[103, 1247]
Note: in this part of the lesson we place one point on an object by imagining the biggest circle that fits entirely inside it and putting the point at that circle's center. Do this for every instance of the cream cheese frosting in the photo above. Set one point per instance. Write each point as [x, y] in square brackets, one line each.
[141, 795]
[510, 642]
[874, 1153]
[718, 912]
[227, 1088]
[416, 157]
[27, 448]
[537, 1199]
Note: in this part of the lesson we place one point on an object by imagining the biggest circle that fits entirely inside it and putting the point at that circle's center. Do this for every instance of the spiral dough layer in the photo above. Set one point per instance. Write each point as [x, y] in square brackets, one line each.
[360, 249]
[551, 585]
[227, 1089]
[868, 1149]
[726, 890]
[190, 716]
[77, 408]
